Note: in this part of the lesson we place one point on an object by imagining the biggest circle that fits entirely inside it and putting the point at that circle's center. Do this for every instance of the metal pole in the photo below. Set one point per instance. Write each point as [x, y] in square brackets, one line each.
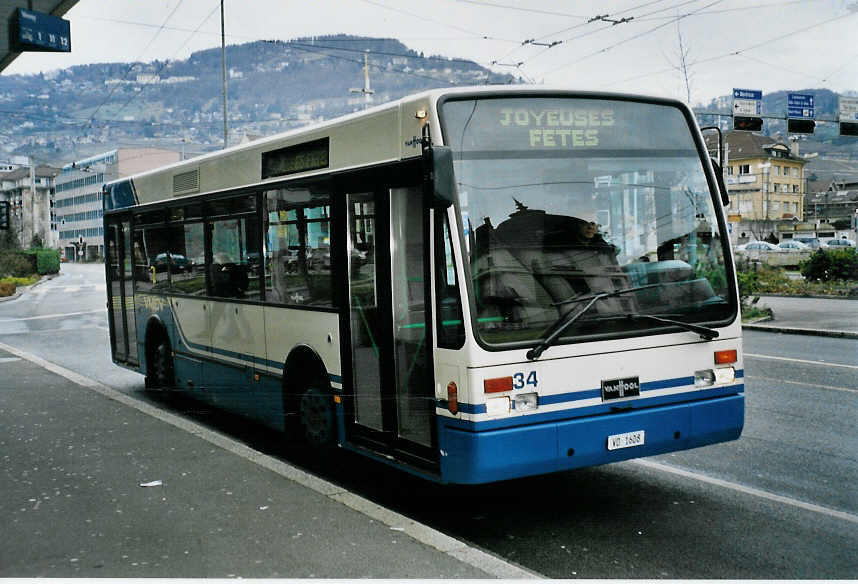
[223, 67]
[32, 203]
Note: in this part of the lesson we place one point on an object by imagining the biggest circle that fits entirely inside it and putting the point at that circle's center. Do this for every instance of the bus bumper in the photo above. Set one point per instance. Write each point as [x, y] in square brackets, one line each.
[492, 455]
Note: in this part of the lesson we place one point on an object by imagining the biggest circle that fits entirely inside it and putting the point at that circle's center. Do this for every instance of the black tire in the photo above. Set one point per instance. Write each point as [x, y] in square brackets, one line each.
[162, 366]
[318, 421]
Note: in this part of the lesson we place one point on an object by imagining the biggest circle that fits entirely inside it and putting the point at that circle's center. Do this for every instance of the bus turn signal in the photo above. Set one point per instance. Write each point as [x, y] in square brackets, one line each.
[726, 357]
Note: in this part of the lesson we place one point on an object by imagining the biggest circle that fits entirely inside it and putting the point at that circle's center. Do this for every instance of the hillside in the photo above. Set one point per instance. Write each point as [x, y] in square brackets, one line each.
[273, 86]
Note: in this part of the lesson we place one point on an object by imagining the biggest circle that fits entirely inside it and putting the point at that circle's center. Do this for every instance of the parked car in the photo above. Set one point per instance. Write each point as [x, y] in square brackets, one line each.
[811, 242]
[757, 246]
[839, 243]
[792, 245]
[174, 261]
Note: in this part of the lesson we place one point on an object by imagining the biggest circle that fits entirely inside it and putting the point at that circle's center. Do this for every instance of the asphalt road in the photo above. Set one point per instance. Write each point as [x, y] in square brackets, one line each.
[781, 502]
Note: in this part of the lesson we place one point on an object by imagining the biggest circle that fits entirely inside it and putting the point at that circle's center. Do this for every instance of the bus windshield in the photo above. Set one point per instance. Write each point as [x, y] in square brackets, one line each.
[564, 198]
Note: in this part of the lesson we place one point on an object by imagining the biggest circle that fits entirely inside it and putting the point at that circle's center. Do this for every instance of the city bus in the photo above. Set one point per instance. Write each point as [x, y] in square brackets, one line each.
[471, 284]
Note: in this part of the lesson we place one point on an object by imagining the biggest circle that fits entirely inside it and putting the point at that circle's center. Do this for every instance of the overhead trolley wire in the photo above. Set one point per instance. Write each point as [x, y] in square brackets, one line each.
[631, 38]
[735, 53]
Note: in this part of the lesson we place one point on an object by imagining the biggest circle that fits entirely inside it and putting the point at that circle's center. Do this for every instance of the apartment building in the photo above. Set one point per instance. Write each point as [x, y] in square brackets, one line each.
[78, 199]
[765, 178]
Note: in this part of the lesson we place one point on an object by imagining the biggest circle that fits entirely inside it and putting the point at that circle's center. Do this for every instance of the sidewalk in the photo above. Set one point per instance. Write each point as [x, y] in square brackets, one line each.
[99, 484]
[832, 317]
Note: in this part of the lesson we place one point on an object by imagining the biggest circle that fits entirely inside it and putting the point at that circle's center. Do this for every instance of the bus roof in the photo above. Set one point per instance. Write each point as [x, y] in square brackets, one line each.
[386, 133]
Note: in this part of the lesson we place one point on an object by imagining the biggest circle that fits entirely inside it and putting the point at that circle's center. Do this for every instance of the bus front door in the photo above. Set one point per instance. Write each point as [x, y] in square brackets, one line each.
[393, 408]
[123, 340]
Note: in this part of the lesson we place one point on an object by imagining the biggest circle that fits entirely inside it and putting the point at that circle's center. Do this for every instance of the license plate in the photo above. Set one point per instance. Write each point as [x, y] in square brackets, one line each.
[627, 440]
[620, 388]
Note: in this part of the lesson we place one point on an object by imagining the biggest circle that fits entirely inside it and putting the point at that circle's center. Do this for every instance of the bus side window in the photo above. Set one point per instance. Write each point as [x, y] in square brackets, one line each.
[297, 245]
[450, 325]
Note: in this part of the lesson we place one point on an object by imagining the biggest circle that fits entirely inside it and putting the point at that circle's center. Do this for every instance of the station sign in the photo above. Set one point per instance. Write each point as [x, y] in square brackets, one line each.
[39, 32]
[800, 106]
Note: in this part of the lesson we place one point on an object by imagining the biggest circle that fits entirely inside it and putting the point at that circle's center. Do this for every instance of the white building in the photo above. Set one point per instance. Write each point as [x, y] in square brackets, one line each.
[30, 192]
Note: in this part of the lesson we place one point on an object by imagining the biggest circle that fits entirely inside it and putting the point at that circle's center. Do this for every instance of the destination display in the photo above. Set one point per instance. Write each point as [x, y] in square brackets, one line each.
[565, 126]
[294, 159]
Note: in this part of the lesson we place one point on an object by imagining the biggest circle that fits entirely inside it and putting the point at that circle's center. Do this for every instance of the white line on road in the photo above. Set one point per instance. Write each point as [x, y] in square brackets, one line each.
[833, 387]
[748, 490]
[805, 361]
[45, 316]
[9, 359]
[424, 534]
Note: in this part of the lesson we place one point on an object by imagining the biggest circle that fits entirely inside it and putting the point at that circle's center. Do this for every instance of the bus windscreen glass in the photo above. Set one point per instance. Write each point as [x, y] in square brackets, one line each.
[563, 199]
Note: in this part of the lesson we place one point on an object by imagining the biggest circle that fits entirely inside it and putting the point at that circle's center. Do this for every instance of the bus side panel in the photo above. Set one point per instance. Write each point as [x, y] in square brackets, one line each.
[494, 455]
[287, 328]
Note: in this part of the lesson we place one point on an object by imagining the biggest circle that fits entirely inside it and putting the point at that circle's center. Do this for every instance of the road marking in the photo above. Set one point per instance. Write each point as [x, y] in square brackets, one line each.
[748, 490]
[9, 359]
[45, 316]
[424, 534]
[834, 387]
[805, 361]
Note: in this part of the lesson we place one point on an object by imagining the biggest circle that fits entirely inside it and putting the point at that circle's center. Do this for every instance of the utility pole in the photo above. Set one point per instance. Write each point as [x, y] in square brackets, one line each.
[223, 67]
[366, 90]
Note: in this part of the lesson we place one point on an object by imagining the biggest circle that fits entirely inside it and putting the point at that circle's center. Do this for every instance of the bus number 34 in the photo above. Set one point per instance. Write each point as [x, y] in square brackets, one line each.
[519, 380]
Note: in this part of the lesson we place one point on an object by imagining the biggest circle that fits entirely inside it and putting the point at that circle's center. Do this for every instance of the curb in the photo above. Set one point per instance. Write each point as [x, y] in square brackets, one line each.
[800, 331]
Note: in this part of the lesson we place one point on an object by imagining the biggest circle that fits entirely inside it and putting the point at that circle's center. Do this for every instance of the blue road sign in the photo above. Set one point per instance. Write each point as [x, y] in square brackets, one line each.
[800, 106]
[755, 94]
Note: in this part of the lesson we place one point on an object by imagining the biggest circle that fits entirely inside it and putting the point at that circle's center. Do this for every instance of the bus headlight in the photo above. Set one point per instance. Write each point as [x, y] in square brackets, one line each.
[525, 401]
[704, 378]
[718, 376]
[725, 375]
[497, 406]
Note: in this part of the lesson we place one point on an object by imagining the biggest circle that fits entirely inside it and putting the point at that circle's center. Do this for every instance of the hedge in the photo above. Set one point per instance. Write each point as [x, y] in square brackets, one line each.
[47, 261]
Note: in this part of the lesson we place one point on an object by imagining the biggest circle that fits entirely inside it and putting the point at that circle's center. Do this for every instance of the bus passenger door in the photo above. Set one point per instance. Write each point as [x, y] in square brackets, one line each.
[394, 403]
[123, 339]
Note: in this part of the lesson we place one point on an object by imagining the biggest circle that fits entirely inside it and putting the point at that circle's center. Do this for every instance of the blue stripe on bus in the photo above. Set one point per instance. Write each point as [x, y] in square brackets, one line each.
[214, 351]
[604, 408]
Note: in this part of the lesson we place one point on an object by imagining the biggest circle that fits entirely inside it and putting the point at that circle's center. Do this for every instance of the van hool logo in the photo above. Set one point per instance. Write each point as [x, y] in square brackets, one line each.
[619, 388]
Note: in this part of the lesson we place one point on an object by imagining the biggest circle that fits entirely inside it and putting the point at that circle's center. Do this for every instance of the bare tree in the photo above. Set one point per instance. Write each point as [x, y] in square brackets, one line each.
[682, 67]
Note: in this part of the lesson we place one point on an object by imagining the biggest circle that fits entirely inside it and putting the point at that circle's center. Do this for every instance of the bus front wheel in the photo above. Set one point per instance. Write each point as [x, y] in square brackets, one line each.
[317, 417]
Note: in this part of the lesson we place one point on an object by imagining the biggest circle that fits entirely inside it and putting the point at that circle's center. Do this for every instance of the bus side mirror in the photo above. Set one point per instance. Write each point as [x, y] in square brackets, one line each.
[719, 176]
[442, 183]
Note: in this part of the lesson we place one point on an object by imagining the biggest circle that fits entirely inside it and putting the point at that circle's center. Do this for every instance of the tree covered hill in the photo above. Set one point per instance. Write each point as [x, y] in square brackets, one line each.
[272, 86]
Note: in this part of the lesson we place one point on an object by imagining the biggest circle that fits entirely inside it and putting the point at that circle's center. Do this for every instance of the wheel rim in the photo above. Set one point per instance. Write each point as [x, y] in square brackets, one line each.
[161, 366]
[316, 417]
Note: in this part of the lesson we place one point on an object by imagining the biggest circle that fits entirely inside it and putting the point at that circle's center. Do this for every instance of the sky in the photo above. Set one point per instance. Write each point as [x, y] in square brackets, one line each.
[633, 46]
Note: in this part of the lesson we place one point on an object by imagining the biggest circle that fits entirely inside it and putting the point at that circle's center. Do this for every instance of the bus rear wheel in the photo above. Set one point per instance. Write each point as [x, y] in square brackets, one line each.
[162, 366]
[317, 417]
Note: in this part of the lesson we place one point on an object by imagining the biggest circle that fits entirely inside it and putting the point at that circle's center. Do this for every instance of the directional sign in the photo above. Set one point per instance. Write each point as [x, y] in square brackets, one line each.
[747, 102]
[800, 106]
[848, 116]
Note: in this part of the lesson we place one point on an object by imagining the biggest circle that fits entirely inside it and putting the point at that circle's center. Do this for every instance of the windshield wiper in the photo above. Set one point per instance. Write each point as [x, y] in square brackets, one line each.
[562, 323]
[704, 332]
[568, 319]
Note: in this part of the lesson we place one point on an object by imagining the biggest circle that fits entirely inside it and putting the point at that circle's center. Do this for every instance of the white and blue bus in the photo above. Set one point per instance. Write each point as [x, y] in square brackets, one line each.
[471, 284]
